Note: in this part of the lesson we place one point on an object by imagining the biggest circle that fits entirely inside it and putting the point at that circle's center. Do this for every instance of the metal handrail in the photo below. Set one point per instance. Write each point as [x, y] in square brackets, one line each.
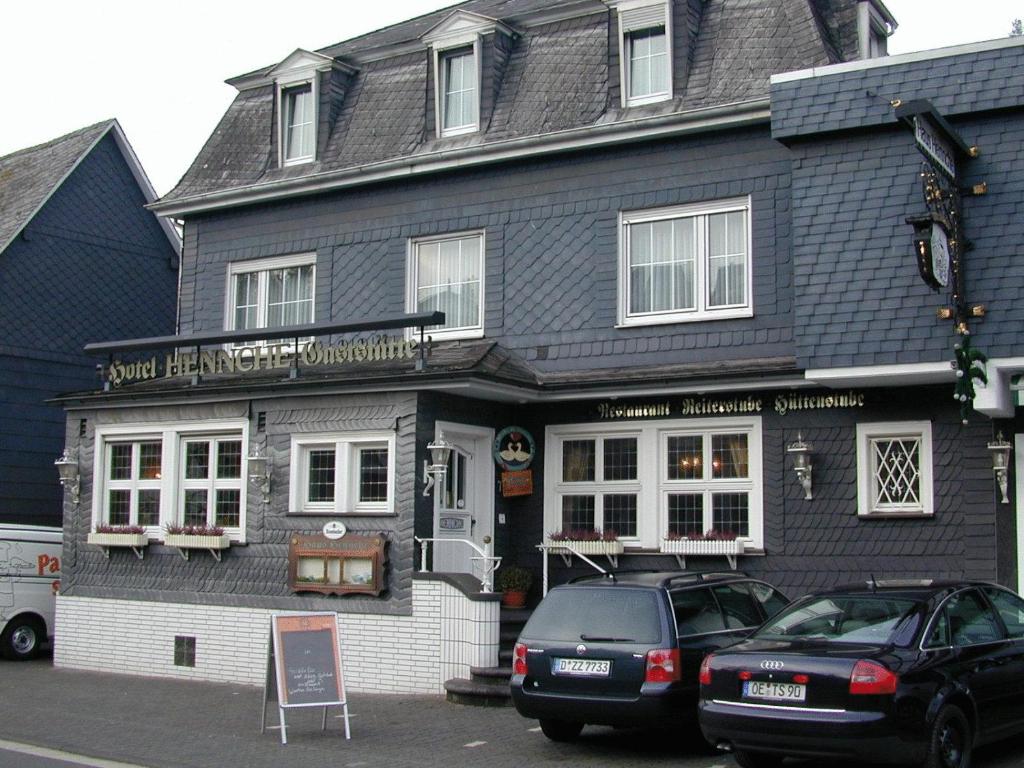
[490, 562]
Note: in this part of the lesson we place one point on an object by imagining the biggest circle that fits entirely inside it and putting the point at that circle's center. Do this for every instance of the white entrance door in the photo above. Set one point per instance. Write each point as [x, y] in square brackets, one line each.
[464, 502]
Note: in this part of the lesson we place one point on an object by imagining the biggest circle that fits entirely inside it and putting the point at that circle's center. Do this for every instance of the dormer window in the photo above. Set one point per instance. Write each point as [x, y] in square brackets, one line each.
[456, 49]
[645, 40]
[459, 92]
[299, 81]
[298, 133]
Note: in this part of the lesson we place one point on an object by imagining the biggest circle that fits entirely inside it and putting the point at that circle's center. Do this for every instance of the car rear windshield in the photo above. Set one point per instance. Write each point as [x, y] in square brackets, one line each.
[596, 614]
[874, 619]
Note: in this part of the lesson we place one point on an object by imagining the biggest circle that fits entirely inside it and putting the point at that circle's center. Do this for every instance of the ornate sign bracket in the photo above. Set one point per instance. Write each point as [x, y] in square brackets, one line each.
[940, 241]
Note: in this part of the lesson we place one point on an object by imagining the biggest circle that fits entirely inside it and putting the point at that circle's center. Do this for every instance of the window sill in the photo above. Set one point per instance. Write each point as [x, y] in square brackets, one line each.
[891, 514]
[335, 513]
[705, 317]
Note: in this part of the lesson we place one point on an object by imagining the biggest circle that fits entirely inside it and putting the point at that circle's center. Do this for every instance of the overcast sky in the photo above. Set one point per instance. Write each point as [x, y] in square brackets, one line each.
[65, 64]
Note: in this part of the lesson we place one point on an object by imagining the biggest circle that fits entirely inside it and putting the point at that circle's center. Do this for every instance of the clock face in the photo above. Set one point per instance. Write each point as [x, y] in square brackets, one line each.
[940, 256]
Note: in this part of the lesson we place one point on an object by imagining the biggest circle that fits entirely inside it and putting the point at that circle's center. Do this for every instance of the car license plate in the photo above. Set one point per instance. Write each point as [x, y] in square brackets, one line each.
[759, 689]
[581, 667]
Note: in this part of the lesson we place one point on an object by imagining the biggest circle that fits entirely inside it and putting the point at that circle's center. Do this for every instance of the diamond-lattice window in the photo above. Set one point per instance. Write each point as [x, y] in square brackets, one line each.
[894, 469]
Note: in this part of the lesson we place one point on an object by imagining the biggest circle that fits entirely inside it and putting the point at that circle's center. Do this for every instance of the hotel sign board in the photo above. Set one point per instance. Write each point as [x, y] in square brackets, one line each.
[934, 146]
[260, 358]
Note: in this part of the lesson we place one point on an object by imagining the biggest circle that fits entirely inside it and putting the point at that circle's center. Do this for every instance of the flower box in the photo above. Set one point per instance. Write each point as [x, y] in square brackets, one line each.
[702, 547]
[118, 539]
[682, 548]
[135, 541]
[186, 541]
[590, 547]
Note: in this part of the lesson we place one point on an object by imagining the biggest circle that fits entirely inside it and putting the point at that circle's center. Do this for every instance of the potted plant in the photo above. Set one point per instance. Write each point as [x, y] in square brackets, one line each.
[513, 581]
[588, 541]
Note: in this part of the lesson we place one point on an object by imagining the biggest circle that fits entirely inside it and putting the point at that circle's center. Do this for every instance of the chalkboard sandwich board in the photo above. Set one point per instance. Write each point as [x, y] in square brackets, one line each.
[307, 664]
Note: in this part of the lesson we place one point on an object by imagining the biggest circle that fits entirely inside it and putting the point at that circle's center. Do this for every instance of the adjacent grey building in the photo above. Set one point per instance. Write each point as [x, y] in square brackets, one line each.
[669, 280]
[80, 259]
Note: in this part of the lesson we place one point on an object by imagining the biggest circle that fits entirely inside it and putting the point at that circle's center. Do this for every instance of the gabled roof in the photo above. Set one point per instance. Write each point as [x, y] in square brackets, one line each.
[30, 177]
[553, 94]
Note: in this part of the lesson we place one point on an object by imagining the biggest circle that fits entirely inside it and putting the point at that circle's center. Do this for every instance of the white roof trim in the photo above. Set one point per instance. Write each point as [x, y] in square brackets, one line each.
[882, 375]
[459, 26]
[902, 58]
[137, 172]
[634, 129]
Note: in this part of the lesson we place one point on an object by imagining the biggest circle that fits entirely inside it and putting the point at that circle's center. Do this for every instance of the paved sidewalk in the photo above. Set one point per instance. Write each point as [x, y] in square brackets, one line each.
[158, 723]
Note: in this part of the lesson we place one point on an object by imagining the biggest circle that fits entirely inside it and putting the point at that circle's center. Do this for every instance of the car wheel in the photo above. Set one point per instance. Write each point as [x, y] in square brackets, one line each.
[21, 638]
[561, 730]
[757, 759]
[950, 742]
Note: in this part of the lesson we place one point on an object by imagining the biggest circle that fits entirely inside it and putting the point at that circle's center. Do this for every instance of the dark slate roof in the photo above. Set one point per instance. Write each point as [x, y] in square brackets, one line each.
[28, 177]
[557, 79]
[958, 81]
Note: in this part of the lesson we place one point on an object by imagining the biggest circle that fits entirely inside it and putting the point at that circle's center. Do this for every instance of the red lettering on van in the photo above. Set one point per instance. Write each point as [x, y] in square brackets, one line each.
[47, 564]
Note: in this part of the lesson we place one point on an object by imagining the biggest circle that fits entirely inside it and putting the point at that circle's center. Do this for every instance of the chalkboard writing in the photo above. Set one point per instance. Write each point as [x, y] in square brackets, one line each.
[308, 660]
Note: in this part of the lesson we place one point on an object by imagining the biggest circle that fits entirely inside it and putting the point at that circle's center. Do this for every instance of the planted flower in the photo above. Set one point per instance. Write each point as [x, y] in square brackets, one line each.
[588, 541]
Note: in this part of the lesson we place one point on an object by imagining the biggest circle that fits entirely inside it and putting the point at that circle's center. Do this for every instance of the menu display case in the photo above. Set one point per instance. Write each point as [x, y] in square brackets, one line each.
[348, 565]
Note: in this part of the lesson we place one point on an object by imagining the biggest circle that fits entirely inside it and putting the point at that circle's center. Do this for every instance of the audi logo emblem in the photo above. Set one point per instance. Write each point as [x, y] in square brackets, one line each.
[772, 664]
[581, 649]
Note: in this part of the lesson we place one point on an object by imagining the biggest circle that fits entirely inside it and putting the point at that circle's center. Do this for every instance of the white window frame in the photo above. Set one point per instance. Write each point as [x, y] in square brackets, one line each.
[474, 331]
[264, 267]
[210, 484]
[346, 446]
[637, 16]
[283, 87]
[172, 436]
[702, 312]
[456, 45]
[653, 487]
[867, 434]
[707, 487]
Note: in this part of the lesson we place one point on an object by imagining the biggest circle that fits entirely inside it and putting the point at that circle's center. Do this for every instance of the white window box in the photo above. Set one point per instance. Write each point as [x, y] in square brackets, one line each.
[704, 548]
[136, 541]
[589, 547]
[184, 542]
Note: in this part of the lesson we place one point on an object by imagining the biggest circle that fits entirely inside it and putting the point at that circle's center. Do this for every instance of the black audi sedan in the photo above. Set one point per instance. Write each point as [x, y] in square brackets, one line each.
[624, 649]
[891, 672]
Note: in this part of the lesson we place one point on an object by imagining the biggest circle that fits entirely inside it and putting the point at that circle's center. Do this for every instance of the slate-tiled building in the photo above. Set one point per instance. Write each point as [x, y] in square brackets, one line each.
[79, 255]
[656, 283]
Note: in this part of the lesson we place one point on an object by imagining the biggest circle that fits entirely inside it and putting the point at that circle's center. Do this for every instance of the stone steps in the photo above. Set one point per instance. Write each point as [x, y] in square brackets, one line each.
[488, 686]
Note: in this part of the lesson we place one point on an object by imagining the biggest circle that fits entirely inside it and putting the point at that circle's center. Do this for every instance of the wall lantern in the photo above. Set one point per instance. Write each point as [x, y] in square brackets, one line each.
[437, 467]
[1000, 450]
[801, 453]
[67, 467]
[259, 473]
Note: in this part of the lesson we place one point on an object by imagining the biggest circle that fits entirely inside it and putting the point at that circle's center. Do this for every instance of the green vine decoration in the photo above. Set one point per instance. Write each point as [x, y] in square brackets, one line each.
[970, 367]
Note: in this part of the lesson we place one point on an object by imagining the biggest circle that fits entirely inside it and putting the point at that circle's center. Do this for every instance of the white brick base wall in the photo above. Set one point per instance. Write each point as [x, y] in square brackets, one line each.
[446, 634]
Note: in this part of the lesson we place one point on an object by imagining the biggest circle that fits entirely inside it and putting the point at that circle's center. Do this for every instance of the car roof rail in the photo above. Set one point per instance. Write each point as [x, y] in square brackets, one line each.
[607, 575]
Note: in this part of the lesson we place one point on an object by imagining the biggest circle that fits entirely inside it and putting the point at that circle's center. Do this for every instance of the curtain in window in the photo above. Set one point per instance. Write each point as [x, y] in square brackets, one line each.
[727, 259]
[448, 276]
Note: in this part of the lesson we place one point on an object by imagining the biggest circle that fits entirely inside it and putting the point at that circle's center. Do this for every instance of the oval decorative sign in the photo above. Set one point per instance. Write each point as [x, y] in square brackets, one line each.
[514, 449]
[334, 529]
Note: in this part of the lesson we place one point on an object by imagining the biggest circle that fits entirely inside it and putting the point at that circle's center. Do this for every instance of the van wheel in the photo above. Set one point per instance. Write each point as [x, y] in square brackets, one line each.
[21, 638]
[561, 730]
[757, 759]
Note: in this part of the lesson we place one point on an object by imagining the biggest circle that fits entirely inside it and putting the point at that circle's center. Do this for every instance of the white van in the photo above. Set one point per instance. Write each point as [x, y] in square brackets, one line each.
[29, 579]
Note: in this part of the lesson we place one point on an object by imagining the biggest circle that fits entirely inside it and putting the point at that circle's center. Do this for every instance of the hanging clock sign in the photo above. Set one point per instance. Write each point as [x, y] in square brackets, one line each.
[514, 449]
[940, 255]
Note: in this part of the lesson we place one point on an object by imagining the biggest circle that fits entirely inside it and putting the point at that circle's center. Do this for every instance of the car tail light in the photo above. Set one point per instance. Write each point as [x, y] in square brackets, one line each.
[801, 679]
[746, 674]
[663, 666]
[871, 678]
[705, 670]
[519, 659]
